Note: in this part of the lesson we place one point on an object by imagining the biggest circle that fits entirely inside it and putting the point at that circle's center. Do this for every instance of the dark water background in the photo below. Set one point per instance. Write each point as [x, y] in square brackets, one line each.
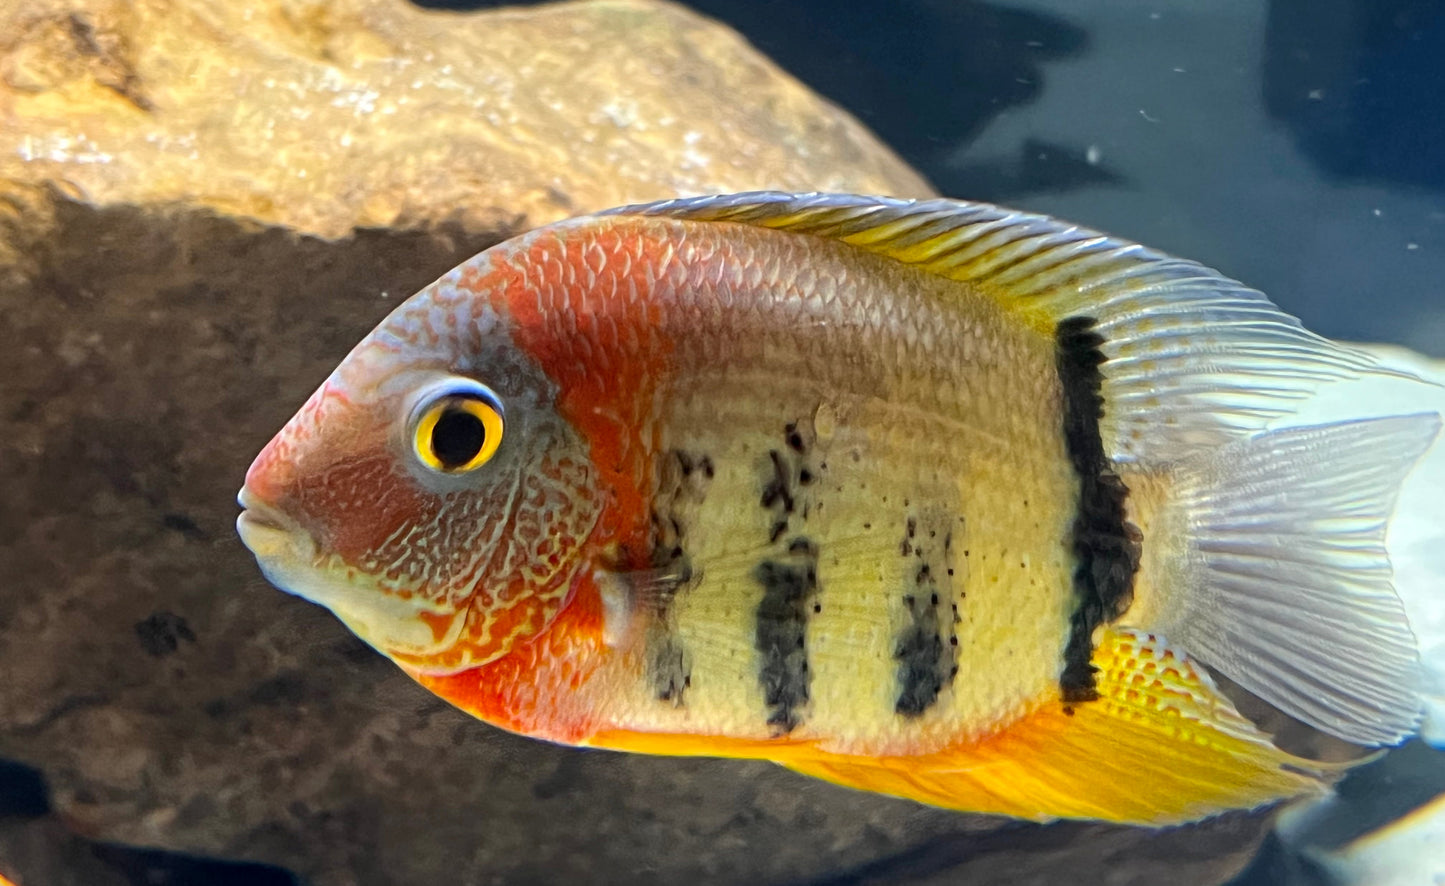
[1298, 145]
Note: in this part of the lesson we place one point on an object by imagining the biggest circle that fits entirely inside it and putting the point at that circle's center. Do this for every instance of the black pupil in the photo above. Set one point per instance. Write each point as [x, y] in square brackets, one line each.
[457, 438]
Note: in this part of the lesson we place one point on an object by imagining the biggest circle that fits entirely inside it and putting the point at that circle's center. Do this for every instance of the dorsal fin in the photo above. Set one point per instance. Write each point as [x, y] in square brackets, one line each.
[1194, 359]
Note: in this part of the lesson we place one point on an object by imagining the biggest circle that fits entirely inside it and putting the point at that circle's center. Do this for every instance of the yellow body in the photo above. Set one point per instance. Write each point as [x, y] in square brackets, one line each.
[938, 444]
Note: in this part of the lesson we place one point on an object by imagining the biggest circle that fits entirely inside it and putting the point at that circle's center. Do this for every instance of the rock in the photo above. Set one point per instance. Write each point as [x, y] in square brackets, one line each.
[323, 116]
[204, 206]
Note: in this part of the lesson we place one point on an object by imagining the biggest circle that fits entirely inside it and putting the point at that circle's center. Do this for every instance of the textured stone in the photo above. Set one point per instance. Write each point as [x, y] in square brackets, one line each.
[202, 207]
[328, 116]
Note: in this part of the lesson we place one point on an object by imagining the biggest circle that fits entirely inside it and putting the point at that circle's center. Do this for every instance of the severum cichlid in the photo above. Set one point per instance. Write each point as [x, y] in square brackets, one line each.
[934, 499]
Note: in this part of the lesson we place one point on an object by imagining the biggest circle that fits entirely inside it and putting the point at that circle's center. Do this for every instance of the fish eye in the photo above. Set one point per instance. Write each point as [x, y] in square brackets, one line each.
[458, 431]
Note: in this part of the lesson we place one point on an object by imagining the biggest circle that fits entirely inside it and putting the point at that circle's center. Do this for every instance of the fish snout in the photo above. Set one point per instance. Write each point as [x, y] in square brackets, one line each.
[267, 492]
[264, 529]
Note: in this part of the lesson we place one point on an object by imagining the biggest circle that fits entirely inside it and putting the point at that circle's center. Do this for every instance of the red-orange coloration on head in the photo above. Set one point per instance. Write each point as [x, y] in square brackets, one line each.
[534, 689]
[440, 624]
[376, 499]
[567, 296]
[363, 483]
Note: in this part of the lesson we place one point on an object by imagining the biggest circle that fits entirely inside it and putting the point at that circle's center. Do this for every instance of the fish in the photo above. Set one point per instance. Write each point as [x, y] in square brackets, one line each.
[934, 499]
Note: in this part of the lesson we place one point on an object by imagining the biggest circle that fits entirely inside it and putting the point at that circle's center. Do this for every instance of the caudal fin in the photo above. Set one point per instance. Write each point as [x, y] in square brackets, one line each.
[1279, 575]
[1417, 530]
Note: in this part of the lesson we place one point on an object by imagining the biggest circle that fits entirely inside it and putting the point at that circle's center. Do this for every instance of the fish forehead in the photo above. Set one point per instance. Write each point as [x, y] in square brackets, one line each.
[446, 325]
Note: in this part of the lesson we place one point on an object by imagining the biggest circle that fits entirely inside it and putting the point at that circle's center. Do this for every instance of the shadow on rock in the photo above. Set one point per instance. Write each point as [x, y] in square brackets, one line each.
[37, 847]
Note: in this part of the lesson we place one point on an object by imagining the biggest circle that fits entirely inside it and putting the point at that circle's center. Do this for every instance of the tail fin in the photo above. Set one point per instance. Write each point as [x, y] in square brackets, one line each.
[1417, 548]
[1417, 531]
[1279, 575]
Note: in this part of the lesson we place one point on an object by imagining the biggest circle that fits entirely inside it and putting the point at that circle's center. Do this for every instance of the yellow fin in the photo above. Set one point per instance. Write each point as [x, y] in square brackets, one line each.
[1160, 746]
[1194, 359]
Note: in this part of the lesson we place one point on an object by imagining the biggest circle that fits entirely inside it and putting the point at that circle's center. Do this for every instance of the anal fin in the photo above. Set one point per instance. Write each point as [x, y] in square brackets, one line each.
[1161, 745]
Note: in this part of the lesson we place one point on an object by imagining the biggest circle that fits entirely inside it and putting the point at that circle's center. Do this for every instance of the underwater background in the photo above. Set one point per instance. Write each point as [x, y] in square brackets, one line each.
[1297, 145]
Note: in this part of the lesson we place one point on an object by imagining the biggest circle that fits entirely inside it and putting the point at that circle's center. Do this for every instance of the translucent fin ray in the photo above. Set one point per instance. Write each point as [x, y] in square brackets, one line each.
[1285, 583]
[1186, 347]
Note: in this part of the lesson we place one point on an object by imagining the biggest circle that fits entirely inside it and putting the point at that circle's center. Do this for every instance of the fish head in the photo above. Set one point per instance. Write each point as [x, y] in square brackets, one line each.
[428, 493]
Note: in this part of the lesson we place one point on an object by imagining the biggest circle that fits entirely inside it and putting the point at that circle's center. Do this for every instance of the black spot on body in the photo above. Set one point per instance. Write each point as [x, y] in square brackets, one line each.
[795, 439]
[789, 586]
[777, 530]
[684, 462]
[925, 663]
[1106, 546]
[778, 490]
[917, 654]
[670, 669]
[682, 484]
[788, 482]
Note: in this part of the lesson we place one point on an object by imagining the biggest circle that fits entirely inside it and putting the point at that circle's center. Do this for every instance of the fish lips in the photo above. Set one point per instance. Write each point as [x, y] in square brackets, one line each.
[290, 559]
[273, 539]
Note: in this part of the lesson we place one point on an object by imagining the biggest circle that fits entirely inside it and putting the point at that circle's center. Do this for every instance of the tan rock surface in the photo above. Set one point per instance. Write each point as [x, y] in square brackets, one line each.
[326, 116]
[202, 207]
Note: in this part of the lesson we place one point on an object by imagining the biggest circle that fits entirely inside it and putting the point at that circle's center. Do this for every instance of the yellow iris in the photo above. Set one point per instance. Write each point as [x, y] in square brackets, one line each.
[458, 433]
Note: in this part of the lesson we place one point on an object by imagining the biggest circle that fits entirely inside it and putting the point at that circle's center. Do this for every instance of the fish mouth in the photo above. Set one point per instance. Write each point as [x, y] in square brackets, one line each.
[291, 559]
[263, 529]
